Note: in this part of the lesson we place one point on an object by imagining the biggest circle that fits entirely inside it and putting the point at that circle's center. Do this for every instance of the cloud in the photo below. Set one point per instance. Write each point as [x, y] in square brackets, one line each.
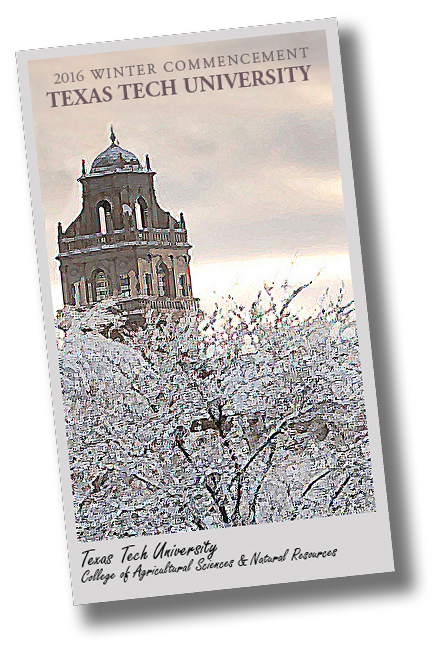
[255, 170]
[308, 140]
[278, 234]
[191, 186]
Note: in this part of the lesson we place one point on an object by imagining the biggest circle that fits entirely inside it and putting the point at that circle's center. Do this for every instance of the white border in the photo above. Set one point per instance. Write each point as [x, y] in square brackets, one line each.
[363, 541]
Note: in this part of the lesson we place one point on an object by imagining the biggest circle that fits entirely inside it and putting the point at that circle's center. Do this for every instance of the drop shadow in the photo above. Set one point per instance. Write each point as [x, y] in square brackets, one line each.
[402, 581]
[378, 304]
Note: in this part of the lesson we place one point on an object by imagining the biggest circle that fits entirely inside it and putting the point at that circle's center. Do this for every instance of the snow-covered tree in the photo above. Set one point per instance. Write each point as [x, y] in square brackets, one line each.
[242, 416]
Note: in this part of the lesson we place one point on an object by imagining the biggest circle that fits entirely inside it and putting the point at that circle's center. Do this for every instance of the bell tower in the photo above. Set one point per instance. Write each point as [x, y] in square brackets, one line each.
[123, 244]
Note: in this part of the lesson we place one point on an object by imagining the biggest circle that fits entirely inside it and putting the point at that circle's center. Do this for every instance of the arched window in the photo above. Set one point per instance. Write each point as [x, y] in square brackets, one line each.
[139, 223]
[141, 211]
[163, 286]
[183, 287]
[101, 285]
[74, 294]
[104, 217]
[161, 283]
[125, 288]
[101, 221]
[148, 284]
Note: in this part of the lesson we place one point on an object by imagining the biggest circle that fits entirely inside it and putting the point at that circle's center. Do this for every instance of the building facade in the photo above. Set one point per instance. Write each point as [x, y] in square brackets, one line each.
[123, 244]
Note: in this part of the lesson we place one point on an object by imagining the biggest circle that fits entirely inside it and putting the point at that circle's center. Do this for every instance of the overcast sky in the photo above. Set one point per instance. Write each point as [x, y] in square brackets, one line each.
[255, 170]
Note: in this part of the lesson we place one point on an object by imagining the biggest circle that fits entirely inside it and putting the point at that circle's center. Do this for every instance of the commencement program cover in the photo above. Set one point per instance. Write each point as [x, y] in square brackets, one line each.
[205, 311]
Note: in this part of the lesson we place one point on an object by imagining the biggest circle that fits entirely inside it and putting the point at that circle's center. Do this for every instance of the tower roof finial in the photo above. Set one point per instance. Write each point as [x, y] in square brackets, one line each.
[112, 136]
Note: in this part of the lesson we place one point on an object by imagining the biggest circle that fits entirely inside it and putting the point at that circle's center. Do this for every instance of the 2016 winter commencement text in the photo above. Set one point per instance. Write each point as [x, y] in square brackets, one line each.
[172, 86]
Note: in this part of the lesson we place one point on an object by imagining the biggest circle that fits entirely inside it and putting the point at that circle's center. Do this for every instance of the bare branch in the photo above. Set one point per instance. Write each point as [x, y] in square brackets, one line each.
[236, 511]
[273, 434]
[295, 293]
[339, 490]
[261, 482]
[200, 525]
[149, 485]
[212, 492]
[310, 485]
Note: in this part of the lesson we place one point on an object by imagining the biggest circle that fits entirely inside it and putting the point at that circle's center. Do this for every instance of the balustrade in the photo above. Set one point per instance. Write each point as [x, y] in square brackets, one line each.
[99, 240]
[144, 304]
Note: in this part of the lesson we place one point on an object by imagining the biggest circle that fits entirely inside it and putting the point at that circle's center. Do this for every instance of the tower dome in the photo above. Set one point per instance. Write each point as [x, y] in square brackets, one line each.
[115, 158]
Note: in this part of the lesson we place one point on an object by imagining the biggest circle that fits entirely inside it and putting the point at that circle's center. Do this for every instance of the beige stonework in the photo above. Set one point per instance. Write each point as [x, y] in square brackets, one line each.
[123, 244]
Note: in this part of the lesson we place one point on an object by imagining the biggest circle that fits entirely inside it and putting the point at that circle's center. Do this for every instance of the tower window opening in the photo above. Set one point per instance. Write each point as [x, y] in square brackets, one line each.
[163, 286]
[141, 213]
[183, 287]
[125, 288]
[139, 221]
[75, 293]
[102, 221]
[148, 284]
[161, 283]
[105, 220]
[102, 288]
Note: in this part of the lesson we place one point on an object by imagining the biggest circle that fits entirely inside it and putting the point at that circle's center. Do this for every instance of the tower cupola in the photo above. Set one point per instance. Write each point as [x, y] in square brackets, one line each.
[115, 158]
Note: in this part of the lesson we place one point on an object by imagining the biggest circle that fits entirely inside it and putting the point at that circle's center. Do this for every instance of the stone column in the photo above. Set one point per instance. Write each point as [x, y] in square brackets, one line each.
[154, 270]
[140, 277]
[172, 232]
[136, 273]
[153, 277]
[145, 218]
[110, 273]
[109, 222]
[173, 285]
[190, 286]
[83, 292]
[118, 289]
[133, 283]
[66, 287]
[83, 300]
[94, 223]
[62, 281]
[154, 207]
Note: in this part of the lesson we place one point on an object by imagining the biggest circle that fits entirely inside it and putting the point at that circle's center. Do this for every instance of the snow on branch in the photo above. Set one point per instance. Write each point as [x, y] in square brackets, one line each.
[240, 416]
